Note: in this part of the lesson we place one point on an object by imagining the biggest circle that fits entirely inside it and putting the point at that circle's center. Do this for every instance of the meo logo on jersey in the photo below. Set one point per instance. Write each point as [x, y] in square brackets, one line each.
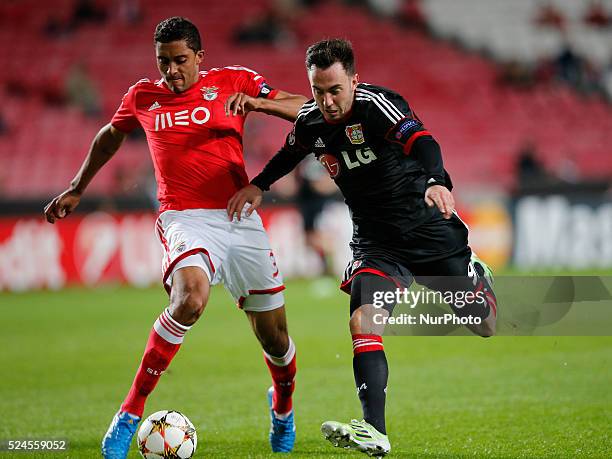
[199, 115]
[355, 134]
[331, 164]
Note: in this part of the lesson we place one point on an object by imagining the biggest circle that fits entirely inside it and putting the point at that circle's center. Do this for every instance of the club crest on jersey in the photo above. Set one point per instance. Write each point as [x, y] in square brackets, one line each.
[331, 164]
[354, 133]
[210, 93]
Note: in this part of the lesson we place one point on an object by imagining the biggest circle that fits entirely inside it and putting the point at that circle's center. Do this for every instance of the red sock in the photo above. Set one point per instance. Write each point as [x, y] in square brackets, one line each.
[164, 342]
[283, 371]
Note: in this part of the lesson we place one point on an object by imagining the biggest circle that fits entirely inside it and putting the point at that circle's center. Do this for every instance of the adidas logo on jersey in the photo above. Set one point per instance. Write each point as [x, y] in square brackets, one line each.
[319, 143]
[155, 106]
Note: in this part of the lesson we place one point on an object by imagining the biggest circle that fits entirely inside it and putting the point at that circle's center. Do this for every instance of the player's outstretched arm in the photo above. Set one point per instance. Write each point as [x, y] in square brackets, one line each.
[427, 151]
[280, 165]
[104, 146]
[284, 105]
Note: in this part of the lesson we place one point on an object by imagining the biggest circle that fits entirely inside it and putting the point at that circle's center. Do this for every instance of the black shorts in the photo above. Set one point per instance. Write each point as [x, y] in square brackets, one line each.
[310, 210]
[435, 249]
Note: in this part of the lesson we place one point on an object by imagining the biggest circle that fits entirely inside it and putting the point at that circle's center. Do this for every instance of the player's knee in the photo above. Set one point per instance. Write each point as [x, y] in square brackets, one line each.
[355, 323]
[271, 331]
[187, 305]
[367, 320]
[275, 342]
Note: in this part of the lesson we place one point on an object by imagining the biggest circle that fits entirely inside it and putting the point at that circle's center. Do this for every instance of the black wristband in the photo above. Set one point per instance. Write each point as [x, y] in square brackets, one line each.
[260, 183]
[435, 180]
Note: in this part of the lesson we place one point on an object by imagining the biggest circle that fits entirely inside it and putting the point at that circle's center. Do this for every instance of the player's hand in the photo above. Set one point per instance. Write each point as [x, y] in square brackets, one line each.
[442, 198]
[240, 103]
[250, 194]
[62, 205]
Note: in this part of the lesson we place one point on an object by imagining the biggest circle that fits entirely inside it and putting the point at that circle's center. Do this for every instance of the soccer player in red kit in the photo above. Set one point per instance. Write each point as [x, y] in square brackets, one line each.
[194, 122]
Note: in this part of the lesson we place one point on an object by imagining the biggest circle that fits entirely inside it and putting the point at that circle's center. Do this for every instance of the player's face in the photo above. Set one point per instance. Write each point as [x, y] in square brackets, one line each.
[334, 90]
[178, 64]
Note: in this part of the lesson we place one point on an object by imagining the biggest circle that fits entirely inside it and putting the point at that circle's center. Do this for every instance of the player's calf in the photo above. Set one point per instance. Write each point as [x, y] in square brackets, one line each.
[270, 327]
[488, 326]
[485, 305]
[481, 311]
[484, 286]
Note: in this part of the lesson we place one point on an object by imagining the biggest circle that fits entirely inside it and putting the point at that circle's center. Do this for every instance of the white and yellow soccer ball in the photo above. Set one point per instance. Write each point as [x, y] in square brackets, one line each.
[167, 435]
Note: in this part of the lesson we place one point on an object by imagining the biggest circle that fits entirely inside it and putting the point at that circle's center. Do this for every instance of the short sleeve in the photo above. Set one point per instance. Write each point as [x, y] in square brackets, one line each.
[252, 83]
[124, 118]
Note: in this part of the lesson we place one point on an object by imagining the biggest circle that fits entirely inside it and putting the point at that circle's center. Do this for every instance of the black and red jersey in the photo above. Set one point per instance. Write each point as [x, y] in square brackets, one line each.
[372, 158]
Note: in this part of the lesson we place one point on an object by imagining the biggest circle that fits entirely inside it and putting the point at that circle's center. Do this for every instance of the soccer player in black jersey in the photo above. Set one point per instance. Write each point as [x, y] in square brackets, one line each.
[390, 171]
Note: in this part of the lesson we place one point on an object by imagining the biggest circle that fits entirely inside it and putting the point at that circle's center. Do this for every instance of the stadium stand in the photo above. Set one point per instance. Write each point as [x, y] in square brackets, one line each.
[512, 30]
[480, 123]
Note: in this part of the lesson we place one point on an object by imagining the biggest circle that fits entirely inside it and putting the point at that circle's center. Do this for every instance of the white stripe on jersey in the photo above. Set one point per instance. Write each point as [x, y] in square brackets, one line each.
[384, 105]
[392, 109]
[402, 114]
[306, 112]
[306, 107]
[393, 119]
[238, 67]
[142, 80]
[384, 100]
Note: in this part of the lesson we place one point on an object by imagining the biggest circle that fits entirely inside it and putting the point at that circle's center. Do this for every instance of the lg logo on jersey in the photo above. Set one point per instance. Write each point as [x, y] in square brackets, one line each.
[199, 115]
[352, 160]
[362, 157]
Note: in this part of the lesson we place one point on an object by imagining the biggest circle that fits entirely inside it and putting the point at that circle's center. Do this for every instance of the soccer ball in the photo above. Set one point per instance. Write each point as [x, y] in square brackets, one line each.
[167, 435]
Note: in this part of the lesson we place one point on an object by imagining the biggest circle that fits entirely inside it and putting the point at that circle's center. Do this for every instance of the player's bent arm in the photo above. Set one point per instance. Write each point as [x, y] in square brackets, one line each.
[280, 165]
[427, 151]
[284, 105]
[104, 146]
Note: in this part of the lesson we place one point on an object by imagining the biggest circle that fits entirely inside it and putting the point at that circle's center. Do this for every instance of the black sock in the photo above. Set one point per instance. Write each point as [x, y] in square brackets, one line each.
[371, 374]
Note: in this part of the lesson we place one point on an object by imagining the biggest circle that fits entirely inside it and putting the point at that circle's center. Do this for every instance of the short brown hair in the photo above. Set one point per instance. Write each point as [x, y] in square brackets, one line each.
[178, 28]
[326, 53]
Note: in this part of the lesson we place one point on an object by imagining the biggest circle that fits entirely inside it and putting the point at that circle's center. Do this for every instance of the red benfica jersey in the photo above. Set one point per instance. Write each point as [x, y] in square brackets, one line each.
[196, 149]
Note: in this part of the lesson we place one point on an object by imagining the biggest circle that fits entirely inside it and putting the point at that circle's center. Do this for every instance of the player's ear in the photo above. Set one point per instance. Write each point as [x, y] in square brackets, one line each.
[199, 56]
[355, 81]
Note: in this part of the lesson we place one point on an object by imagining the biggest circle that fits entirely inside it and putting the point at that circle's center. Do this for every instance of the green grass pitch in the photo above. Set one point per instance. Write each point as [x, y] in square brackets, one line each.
[68, 359]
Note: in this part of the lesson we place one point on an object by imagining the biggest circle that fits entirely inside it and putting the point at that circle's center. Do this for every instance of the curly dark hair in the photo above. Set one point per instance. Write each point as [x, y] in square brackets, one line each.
[178, 28]
[326, 53]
